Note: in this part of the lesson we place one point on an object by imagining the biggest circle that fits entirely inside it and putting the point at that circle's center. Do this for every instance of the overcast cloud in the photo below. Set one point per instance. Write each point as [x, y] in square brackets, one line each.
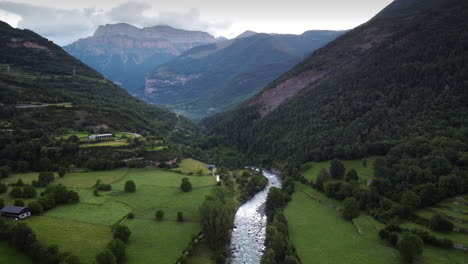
[65, 21]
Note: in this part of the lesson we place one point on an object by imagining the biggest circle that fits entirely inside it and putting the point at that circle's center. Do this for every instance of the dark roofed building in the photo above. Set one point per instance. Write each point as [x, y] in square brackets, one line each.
[16, 212]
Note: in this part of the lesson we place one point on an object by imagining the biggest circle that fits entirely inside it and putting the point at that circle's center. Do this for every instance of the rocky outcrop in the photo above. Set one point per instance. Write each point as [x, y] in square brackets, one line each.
[125, 53]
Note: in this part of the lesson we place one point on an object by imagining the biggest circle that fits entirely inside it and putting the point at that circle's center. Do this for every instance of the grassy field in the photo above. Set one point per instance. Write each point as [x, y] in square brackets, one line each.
[321, 235]
[116, 143]
[81, 238]
[10, 256]
[365, 172]
[158, 242]
[201, 255]
[192, 166]
[85, 228]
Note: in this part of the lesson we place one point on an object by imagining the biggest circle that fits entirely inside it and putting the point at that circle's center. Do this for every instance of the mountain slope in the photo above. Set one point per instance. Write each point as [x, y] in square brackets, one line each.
[213, 78]
[125, 54]
[44, 88]
[401, 75]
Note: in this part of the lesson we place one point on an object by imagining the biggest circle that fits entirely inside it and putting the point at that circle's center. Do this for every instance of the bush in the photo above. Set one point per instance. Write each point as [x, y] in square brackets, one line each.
[2, 203]
[337, 169]
[352, 175]
[5, 171]
[117, 247]
[106, 257]
[351, 208]
[410, 246]
[45, 178]
[17, 192]
[3, 188]
[180, 217]
[18, 203]
[130, 186]
[36, 208]
[130, 215]
[62, 171]
[122, 232]
[29, 192]
[440, 223]
[185, 185]
[159, 215]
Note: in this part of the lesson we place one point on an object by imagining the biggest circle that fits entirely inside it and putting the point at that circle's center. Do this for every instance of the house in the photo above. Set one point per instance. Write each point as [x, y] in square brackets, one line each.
[370, 182]
[15, 212]
[100, 136]
[210, 166]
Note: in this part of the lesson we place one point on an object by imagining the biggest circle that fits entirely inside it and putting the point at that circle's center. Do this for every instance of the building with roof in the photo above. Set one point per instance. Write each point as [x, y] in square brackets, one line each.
[101, 136]
[16, 212]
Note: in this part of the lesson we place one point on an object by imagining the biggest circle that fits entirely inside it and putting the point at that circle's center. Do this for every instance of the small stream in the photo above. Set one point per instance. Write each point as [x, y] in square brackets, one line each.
[248, 235]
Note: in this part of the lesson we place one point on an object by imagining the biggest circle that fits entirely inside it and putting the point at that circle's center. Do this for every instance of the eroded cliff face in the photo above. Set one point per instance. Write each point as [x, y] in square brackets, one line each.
[126, 54]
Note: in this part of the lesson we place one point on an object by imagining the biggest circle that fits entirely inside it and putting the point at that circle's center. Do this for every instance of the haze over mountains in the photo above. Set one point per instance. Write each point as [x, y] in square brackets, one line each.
[125, 54]
[199, 74]
[214, 78]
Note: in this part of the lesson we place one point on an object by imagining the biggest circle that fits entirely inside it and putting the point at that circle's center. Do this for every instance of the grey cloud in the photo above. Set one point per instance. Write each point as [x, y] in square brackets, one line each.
[66, 25]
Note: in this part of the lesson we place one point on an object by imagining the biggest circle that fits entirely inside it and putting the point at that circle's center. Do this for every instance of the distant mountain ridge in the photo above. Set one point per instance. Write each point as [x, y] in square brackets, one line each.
[125, 54]
[212, 78]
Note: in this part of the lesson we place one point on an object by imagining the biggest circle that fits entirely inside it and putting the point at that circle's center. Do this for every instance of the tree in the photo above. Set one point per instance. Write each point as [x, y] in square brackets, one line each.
[180, 217]
[117, 247]
[410, 200]
[352, 175]
[18, 203]
[217, 219]
[269, 257]
[36, 208]
[122, 232]
[440, 223]
[275, 199]
[130, 186]
[2, 203]
[70, 259]
[3, 188]
[62, 171]
[159, 215]
[185, 185]
[351, 208]
[5, 171]
[16, 192]
[410, 246]
[337, 169]
[380, 168]
[323, 177]
[105, 257]
[29, 192]
[45, 178]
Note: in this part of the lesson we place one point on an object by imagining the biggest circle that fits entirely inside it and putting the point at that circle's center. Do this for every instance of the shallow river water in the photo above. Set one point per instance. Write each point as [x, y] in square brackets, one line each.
[248, 235]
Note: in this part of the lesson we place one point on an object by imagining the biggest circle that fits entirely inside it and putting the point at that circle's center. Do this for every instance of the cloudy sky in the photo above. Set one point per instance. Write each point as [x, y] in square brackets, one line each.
[65, 21]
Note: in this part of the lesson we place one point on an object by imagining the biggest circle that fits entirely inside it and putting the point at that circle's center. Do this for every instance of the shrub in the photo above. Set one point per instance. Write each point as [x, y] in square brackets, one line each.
[17, 192]
[159, 215]
[130, 186]
[351, 208]
[18, 203]
[180, 217]
[36, 208]
[440, 223]
[62, 171]
[106, 257]
[2, 203]
[3, 188]
[410, 246]
[337, 169]
[122, 232]
[29, 192]
[352, 176]
[130, 215]
[45, 178]
[117, 247]
[185, 185]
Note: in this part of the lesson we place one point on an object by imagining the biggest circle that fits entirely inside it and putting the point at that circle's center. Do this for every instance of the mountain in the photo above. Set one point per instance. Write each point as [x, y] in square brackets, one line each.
[246, 34]
[401, 77]
[213, 78]
[43, 88]
[125, 54]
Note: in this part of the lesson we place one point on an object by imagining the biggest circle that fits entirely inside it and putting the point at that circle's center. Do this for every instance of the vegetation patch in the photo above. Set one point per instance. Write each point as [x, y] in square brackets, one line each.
[192, 166]
[10, 255]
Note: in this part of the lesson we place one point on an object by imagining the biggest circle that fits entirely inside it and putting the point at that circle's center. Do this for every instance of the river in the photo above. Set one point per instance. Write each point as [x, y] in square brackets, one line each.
[248, 235]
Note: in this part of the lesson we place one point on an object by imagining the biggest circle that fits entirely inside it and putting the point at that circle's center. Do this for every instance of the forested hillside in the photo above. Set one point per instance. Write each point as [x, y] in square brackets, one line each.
[44, 92]
[400, 78]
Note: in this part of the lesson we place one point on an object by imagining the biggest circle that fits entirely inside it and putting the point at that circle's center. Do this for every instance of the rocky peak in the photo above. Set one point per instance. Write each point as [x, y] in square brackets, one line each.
[246, 34]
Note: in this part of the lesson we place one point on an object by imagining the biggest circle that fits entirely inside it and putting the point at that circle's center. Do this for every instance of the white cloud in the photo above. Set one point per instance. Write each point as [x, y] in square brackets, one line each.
[64, 26]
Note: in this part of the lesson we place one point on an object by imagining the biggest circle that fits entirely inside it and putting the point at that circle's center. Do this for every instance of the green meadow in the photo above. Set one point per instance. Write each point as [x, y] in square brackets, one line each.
[85, 228]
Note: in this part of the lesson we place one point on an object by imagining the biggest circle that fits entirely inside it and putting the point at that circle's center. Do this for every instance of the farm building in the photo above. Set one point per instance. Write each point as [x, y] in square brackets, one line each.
[15, 212]
[100, 136]
[210, 166]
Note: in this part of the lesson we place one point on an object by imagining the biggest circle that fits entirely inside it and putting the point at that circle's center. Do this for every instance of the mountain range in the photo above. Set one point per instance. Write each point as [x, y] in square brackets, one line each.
[400, 76]
[217, 77]
[125, 54]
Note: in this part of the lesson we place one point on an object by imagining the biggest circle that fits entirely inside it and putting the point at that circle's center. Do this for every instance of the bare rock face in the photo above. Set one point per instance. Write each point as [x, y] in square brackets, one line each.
[125, 53]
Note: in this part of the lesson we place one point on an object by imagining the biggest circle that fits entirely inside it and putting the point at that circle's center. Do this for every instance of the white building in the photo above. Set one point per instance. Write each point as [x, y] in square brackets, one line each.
[100, 136]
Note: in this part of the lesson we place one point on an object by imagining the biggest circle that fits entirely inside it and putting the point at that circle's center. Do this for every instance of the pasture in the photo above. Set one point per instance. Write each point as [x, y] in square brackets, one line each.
[365, 171]
[74, 227]
[191, 166]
